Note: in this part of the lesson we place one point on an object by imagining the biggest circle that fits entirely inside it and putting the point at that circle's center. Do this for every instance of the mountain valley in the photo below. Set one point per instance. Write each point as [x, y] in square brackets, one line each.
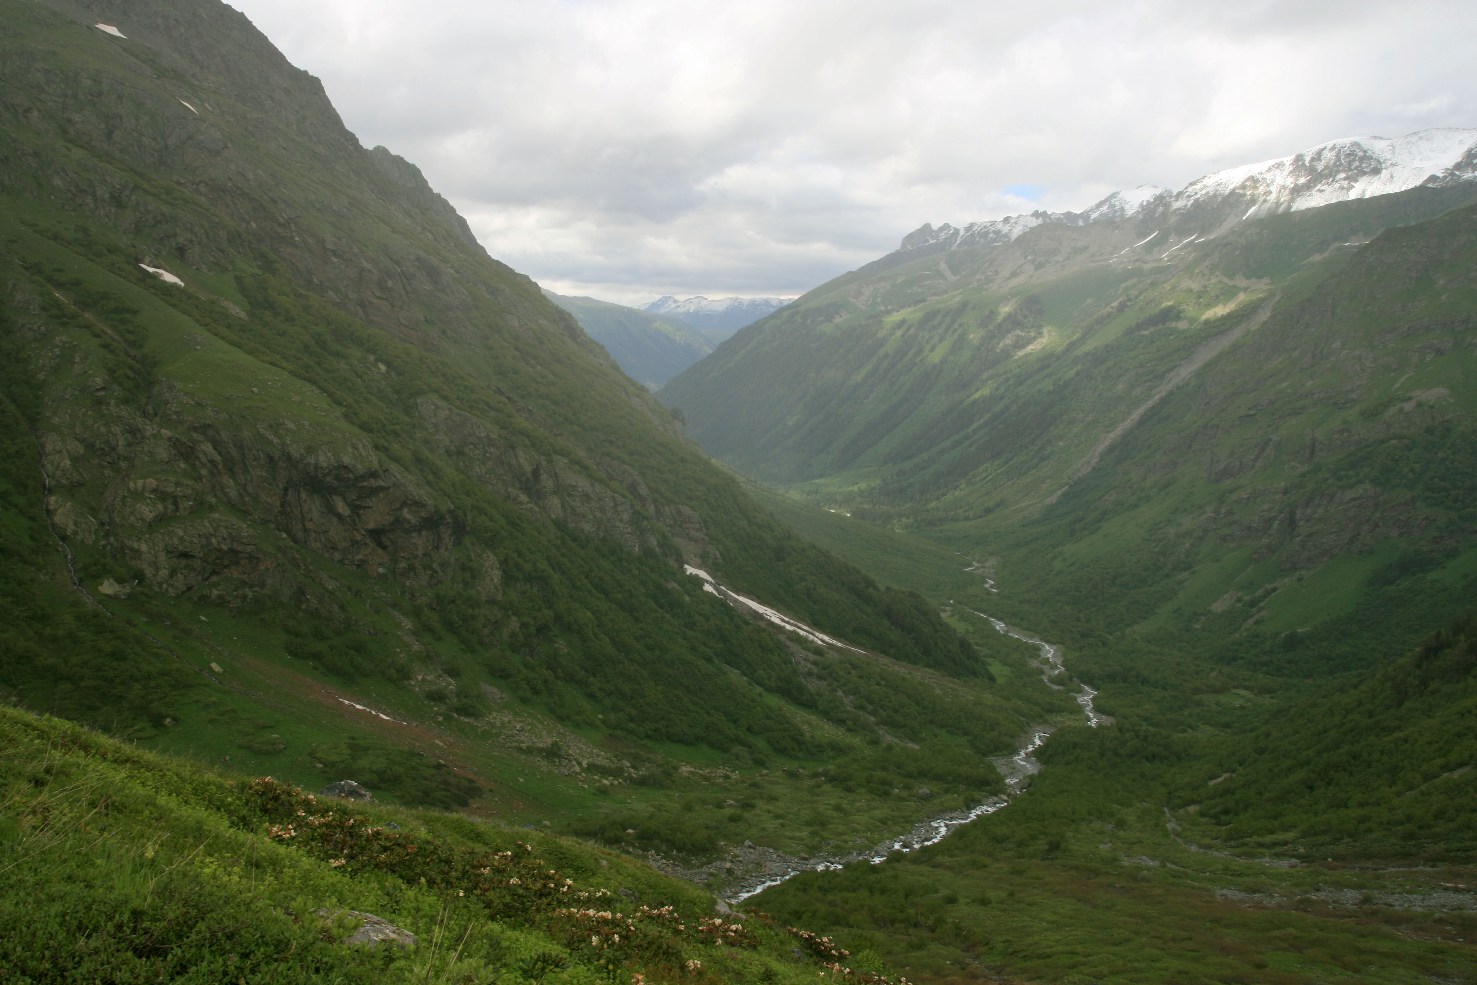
[1226, 458]
[300, 483]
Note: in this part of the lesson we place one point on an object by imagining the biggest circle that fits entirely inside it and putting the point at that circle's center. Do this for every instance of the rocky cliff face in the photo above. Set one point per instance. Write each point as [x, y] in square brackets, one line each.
[199, 499]
[620, 508]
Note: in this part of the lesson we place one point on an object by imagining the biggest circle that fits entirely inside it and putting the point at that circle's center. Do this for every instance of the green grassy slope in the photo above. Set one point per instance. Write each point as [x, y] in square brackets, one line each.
[936, 377]
[1325, 454]
[124, 866]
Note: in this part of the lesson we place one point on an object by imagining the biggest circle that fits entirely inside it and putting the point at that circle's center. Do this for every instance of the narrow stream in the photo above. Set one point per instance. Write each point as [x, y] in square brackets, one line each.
[1051, 666]
[1016, 770]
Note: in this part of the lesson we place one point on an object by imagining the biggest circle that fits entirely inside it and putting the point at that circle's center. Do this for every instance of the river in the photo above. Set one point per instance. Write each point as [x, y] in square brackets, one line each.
[1015, 769]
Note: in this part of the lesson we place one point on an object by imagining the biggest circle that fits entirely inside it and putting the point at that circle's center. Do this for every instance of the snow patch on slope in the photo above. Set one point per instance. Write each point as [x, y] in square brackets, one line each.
[163, 274]
[765, 612]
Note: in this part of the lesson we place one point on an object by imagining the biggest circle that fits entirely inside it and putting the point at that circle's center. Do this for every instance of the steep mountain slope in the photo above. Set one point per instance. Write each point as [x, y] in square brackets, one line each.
[1404, 747]
[650, 348]
[1065, 381]
[299, 479]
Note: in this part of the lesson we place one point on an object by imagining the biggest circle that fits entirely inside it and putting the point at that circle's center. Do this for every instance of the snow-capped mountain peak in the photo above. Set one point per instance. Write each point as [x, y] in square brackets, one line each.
[1341, 170]
[1337, 171]
[1122, 204]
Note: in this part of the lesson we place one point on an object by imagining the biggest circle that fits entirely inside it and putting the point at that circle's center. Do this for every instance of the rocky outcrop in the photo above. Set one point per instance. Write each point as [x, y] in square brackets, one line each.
[339, 501]
[607, 500]
[198, 498]
[207, 488]
[370, 930]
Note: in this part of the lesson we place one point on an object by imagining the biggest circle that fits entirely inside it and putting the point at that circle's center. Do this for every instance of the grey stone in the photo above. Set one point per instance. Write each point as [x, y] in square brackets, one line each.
[347, 789]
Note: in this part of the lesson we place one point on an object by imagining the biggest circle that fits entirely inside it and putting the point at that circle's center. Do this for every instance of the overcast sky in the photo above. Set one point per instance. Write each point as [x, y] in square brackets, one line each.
[625, 149]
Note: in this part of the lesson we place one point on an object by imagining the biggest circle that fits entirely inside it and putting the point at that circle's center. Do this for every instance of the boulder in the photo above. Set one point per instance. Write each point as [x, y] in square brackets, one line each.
[372, 930]
[347, 789]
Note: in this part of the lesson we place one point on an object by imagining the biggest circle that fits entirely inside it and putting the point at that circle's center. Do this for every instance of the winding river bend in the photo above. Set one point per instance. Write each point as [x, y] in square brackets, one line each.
[1016, 769]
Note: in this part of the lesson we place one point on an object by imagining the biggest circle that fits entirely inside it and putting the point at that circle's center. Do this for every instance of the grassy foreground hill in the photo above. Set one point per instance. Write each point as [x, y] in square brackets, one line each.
[122, 866]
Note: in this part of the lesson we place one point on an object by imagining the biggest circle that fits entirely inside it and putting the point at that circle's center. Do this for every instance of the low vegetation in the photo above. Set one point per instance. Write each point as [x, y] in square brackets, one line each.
[1331, 845]
[123, 866]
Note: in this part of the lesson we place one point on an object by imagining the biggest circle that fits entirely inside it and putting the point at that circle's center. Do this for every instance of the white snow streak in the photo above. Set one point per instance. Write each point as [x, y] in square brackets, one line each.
[110, 29]
[376, 714]
[160, 272]
[1185, 242]
[778, 618]
[1142, 242]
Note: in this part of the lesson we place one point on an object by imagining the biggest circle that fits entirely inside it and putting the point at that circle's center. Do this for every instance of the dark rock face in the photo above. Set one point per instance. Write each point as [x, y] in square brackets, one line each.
[191, 496]
[606, 499]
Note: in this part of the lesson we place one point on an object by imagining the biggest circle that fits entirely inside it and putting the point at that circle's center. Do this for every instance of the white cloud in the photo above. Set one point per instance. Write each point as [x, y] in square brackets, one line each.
[761, 147]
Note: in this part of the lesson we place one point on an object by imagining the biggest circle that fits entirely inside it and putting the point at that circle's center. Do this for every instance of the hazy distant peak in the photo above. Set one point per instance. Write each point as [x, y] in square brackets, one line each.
[667, 304]
[725, 315]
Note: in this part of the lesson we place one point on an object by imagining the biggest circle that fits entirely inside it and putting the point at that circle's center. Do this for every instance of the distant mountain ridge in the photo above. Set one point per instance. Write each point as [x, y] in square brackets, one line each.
[1337, 171]
[723, 314]
[651, 348]
[655, 343]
